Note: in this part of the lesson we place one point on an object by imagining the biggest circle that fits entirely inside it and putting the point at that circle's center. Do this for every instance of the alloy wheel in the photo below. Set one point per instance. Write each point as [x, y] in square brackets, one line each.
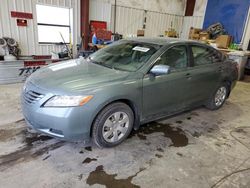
[115, 127]
[220, 96]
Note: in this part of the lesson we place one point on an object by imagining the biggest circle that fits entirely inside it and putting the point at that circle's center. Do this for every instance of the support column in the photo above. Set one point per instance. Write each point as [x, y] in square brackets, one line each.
[85, 22]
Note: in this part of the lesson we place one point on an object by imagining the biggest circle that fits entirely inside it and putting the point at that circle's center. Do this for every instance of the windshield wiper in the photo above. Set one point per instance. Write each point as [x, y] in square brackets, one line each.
[100, 63]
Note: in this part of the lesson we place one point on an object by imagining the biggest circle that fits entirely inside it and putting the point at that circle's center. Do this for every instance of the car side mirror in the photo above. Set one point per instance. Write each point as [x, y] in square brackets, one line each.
[160, 70]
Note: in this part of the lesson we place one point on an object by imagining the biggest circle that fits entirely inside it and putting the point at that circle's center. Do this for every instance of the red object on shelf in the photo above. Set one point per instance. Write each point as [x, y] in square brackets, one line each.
[94, 25]
[100, 29]
[25, 15]
[34, 63]
[21, 22]
[42, 56]
[103, 34]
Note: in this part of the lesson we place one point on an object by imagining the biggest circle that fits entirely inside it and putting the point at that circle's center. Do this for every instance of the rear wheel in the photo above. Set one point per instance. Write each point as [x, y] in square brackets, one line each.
[112, 125]
[218, 98]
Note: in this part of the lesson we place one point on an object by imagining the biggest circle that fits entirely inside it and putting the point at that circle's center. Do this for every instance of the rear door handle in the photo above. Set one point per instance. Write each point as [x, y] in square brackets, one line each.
[188, 76]
[220, 69]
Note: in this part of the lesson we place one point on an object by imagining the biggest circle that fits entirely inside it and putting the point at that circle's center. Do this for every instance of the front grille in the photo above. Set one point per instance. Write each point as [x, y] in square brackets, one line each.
[32, 96]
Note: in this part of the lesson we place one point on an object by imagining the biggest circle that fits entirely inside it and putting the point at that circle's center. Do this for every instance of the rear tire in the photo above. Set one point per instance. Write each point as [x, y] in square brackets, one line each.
[112, 125]
[218, 98]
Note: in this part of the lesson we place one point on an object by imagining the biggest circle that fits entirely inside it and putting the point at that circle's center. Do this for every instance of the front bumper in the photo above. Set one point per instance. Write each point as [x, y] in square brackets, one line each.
[70, 123]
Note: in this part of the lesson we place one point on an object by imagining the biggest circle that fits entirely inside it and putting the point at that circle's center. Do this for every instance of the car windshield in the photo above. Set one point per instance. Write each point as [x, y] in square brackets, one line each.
[124, 55]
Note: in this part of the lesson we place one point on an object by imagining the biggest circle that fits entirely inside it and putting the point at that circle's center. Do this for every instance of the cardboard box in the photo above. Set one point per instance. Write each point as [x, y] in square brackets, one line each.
[140, 33]
[204, 36]
[223, 41]
[194, 33]
[194, 36]
[171, 33]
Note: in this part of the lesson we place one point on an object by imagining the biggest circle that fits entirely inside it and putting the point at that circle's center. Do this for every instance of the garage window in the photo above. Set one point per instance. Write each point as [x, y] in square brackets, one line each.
[53, 24]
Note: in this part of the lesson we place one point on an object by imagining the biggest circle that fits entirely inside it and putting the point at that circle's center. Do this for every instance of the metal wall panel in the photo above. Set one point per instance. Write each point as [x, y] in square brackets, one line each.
[101, 11]
[128, 20]
[27, 36]
[157, 23]
[190, 21]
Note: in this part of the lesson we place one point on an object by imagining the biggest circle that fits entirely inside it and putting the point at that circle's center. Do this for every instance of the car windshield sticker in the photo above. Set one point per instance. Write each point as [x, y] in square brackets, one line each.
[141, 49]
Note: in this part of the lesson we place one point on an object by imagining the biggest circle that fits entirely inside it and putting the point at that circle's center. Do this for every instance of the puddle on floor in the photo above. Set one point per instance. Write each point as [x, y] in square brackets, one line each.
[25, 154]
[89, 160]
[158, 155]
[175, 134]
[88, 148]
[99, 176]
[11, 130]
[34, 146]
[31, 138]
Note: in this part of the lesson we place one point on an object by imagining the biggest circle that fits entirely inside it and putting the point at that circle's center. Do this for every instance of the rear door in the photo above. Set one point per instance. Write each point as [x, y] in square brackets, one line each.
[206, 68]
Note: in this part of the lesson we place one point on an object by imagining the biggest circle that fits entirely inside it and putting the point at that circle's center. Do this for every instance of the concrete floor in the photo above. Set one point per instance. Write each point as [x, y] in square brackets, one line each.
[200, 148]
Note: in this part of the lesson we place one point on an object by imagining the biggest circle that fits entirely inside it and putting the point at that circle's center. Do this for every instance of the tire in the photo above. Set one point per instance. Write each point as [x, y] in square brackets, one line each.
[218, 98]
[112, 125]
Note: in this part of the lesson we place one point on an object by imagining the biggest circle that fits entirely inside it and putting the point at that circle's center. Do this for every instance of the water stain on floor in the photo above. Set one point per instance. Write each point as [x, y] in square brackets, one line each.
[30, 139]
[175, 134]
[88, 160]
[28, 151]
[158, 155]
[99, 176]
[8, 134]
[11, 130]
[179, 122]
[25, 154]
[88, 148]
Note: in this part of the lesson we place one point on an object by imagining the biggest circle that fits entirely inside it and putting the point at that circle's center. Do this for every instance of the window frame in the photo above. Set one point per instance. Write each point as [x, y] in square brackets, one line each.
[212, 50]
[54, 25]
[168, 48]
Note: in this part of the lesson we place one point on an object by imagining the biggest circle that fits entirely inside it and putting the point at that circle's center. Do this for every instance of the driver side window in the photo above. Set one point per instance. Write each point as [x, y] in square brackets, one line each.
[175, 57]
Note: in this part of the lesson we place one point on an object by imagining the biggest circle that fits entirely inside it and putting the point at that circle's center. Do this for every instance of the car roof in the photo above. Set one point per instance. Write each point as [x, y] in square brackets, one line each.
[161, 40]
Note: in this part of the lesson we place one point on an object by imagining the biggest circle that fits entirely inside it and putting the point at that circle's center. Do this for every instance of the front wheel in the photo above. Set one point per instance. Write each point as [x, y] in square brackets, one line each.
[112, 125]
[218, 98]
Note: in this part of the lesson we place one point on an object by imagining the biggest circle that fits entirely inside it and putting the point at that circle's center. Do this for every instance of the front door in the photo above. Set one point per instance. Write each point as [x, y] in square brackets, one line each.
[166, 94]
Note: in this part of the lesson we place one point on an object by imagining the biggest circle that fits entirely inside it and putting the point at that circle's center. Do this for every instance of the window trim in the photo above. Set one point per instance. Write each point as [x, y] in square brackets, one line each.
[168, 48]
[192, 55]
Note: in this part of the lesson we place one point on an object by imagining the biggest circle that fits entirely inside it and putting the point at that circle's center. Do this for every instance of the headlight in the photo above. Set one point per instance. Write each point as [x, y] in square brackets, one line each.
[67, 101]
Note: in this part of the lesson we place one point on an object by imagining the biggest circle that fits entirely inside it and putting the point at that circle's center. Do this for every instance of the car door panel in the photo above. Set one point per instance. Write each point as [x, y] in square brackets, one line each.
[206, 74]
[164, 94]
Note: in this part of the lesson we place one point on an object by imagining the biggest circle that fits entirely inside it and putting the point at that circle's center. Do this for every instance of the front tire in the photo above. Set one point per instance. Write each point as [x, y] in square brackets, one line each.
[112, 125]
[218, 98]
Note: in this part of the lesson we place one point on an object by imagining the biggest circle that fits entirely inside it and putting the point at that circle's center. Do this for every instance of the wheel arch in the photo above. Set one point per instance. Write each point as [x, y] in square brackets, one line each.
[128, 102]
[228, 83]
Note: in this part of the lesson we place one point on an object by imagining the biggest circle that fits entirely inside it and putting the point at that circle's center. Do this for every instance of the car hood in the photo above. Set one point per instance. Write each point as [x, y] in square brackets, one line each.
[75, 75]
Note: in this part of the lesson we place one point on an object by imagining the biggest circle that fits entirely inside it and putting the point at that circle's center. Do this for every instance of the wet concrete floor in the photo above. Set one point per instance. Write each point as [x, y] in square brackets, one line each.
[199, 148]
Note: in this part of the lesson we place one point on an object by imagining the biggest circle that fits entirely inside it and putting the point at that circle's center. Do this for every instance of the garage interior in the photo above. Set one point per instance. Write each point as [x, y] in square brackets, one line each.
[195, 149]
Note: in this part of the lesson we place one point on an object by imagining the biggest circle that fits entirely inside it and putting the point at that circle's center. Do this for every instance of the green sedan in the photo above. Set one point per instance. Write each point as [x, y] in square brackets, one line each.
[129, 83]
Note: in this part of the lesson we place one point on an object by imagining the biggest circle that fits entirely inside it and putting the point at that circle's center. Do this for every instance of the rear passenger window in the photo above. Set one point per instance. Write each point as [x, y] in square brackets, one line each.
[203, 56]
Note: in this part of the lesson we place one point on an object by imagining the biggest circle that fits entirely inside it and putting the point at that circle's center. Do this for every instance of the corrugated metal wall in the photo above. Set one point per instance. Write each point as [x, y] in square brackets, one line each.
[27, 36]
[101, 11]
[157, 23]
[128, 20]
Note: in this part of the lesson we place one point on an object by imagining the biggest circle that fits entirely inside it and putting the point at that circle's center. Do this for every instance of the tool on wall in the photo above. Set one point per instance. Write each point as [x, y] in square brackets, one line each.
[9, 48]
[68, 51]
